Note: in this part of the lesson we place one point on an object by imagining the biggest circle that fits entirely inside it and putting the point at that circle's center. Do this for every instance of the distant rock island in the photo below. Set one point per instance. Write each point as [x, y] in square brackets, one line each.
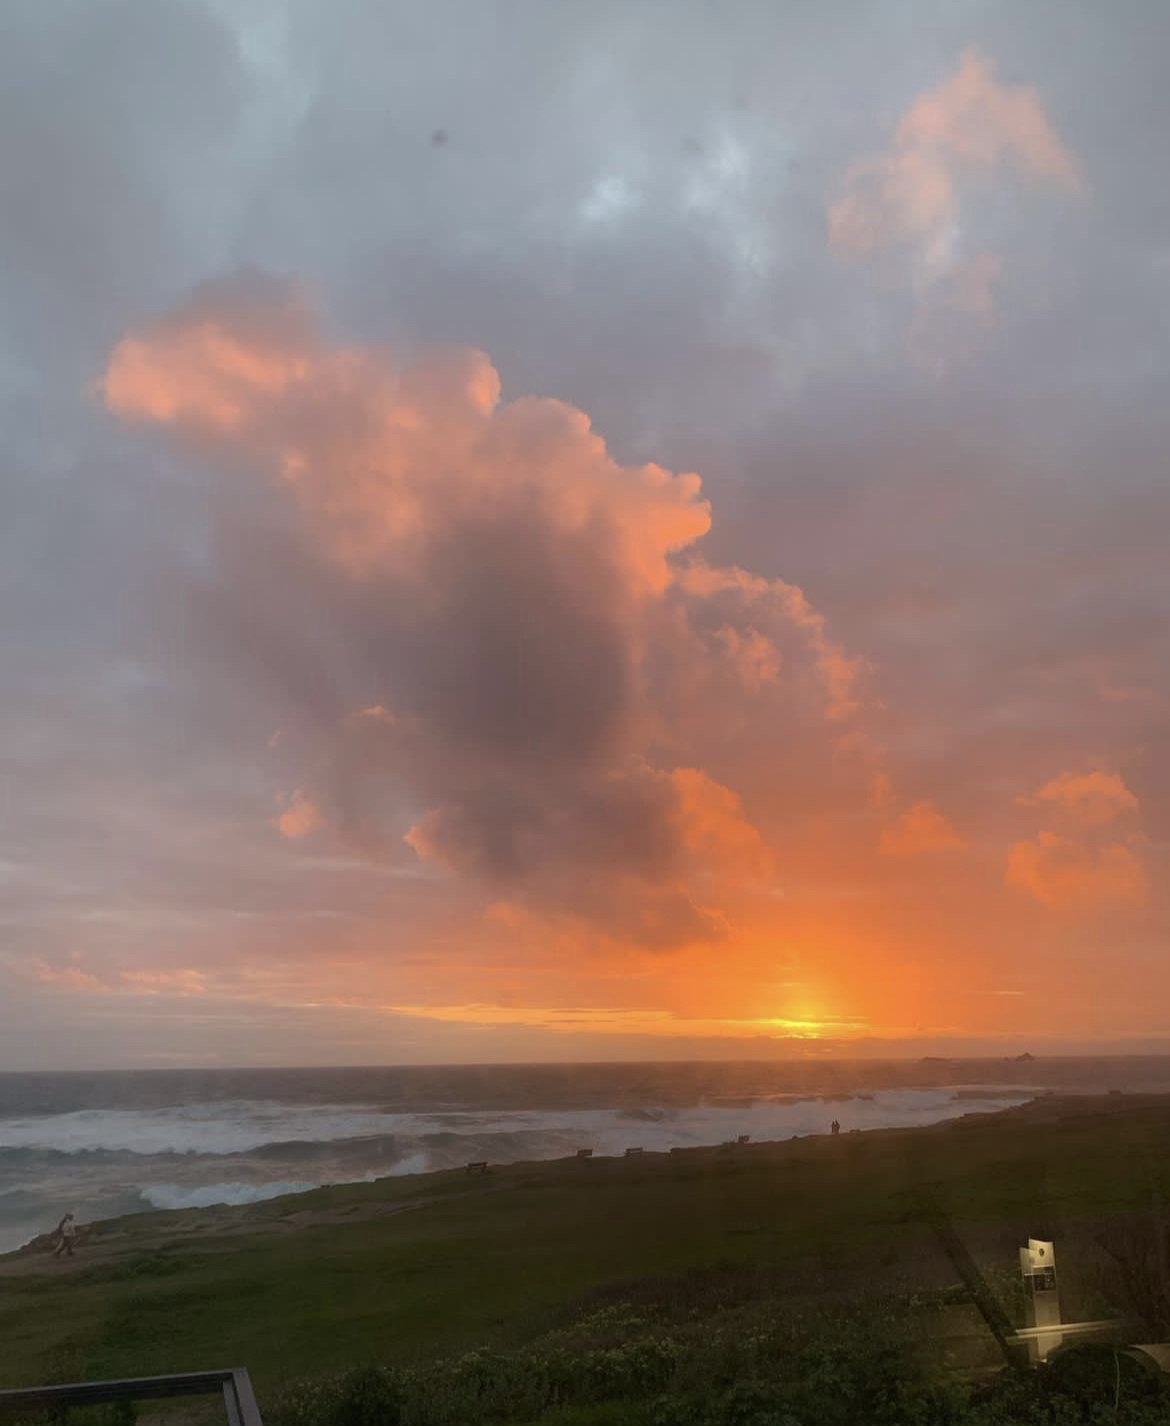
[1025, 1058]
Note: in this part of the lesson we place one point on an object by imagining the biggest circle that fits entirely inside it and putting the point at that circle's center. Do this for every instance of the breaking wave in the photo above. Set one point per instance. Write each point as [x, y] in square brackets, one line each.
[178, 1195]
[106, 1162]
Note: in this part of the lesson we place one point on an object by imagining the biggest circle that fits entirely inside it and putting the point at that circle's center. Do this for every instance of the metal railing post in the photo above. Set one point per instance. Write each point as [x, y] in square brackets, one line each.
[234, 1383]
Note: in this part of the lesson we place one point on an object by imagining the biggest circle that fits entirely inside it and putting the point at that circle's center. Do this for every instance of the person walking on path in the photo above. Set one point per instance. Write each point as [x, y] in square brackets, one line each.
[66, 1236]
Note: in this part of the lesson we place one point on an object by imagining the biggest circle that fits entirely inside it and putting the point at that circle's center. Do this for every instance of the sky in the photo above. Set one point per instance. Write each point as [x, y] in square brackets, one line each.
[582, 531]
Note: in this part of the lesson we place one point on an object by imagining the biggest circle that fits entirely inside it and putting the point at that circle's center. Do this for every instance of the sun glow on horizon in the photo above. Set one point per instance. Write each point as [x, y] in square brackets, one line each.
[664, 1023]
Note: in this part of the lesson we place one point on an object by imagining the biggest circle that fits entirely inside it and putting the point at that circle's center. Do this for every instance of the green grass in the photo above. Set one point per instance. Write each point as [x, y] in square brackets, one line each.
[496, 1261]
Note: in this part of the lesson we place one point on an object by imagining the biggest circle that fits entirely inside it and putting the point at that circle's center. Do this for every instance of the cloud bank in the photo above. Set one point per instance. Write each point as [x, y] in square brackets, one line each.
[534, 648]
[340, 672]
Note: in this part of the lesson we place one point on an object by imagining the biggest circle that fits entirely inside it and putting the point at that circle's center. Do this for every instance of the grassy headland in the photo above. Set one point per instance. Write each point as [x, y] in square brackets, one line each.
[410, 1270]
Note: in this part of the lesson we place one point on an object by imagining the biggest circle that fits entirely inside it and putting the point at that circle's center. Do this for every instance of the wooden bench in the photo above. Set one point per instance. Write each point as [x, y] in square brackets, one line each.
[479, 1167]
[632, 1153]
[584, 1153]
[744, 1139]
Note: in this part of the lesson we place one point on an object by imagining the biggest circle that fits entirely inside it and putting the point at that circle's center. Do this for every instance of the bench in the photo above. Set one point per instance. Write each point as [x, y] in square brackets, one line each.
[632, 1153]
[584, 1153]
[744, 1139]
[478, 1167]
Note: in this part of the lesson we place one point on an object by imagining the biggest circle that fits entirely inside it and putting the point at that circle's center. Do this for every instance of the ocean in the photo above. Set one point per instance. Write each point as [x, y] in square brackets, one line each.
[107, 1144]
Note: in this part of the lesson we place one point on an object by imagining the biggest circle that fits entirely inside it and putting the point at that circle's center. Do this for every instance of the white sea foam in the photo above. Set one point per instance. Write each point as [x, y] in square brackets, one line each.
[277, 1148]
[240, 1126]
[220, 1127]
[413, 1163]
[206, 1195]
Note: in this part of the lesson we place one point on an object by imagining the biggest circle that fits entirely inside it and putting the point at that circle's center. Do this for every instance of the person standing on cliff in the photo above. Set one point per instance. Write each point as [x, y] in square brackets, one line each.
[66, 1236]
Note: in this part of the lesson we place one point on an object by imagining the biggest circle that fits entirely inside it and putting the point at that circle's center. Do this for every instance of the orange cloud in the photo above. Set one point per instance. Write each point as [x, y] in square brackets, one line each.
[1081, 869]
[714, 826]
[1065, 874]
[202, 372]
[1090, 798]
[921, 828]
[207, 375]
[755, 657]
[301, 817]
[542, 665]
[381, 457]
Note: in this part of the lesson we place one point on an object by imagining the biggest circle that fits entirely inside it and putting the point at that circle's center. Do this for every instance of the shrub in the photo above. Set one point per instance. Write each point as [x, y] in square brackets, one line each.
[369, 1396]
[756, 1366]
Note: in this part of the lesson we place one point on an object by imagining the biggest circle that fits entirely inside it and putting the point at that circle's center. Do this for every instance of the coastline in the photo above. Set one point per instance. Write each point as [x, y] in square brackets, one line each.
[357, 1200]
[239, 1153]
[407, 1268]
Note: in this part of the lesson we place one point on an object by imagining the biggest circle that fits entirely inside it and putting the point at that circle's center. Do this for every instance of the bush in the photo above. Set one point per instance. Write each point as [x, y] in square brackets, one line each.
[369, 1396]
[759, 1366]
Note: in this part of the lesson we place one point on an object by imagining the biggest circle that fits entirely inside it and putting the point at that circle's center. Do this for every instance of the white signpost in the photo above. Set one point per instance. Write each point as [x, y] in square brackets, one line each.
[1038, 1265]
[1046, 1330]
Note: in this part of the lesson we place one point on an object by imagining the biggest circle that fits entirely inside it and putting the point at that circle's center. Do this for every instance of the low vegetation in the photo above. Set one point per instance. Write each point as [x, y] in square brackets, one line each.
[762, 1368]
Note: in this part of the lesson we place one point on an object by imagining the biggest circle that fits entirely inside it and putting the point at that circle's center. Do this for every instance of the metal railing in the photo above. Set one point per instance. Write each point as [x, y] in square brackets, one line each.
[238, 1398]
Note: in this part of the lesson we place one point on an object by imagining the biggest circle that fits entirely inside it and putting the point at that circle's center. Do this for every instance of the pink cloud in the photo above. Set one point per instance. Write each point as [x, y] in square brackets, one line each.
[968, 123]
[65, 977]
[183, 981]
[72, 976]
[911, 196]
[976, 122]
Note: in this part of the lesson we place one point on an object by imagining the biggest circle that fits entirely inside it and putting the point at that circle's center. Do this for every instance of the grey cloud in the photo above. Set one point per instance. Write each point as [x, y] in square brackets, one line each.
[520, 650]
